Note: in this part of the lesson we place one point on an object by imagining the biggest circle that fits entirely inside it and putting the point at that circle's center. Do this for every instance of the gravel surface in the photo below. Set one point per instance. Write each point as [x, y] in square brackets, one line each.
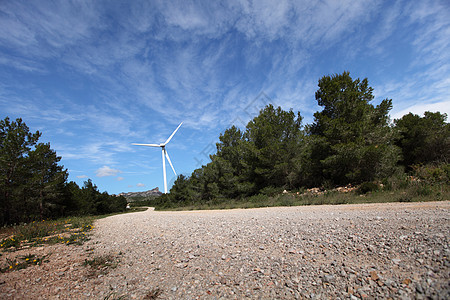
[368, 251]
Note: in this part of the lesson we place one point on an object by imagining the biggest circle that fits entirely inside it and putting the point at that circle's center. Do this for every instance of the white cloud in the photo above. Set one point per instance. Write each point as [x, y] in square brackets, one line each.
[120, 178]
[140, 185]
[419, 109]
[185, 15]
[107, 171]
[130, 73]
[82, 176]
[424, 83]
[38, 30]
[22, 64]
[187, 80]
[97, 152]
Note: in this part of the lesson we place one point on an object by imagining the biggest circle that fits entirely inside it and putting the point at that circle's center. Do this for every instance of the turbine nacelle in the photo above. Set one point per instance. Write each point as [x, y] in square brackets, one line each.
[164, 155]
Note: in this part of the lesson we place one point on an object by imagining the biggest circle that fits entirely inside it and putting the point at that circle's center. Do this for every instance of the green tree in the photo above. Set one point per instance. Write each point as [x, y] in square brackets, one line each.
[72, 199]
[424, 139]
[33, 185]
[47, 180]
[180, 190]
[245, 163]
[356, 139]
[15, 144]
[308, 162]
[88, 198]
[229, 147]
[272, 138]
[229, 163]
[117, 203]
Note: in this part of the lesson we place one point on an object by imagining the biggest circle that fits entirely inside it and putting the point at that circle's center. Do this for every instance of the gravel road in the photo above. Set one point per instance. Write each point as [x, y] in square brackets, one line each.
[395, 250]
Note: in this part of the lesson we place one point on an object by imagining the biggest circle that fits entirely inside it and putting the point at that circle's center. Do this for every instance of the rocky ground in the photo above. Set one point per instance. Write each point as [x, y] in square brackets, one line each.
[397, 250]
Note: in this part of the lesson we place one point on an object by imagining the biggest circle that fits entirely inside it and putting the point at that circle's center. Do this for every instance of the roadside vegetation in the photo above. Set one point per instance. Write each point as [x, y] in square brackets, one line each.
[67, 231]
[275, 160]
[34, 187]
[72, 230]
[400, 188]
[350, 142]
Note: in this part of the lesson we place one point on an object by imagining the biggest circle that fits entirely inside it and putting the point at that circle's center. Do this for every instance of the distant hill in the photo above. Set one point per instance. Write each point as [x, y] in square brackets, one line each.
[130, 195]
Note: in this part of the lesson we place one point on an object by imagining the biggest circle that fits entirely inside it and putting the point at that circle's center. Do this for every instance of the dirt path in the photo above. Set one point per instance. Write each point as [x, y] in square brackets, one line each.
[398, 250]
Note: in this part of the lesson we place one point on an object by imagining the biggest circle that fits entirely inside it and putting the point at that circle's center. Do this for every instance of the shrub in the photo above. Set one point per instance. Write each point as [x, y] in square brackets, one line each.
[286, 200]
[367, 187]
[433, 173]
[259, 198]
[423, 190]
[405, 197]
[10, 242]
[271, 191]
[47, 232]
[38, 229]
[22, 262]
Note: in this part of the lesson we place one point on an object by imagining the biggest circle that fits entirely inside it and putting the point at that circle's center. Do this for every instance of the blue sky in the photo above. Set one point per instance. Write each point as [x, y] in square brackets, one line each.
[96, 76]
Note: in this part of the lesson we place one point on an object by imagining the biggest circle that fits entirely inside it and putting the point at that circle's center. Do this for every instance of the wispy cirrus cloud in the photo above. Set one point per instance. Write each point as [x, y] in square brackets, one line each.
[107, 171]
[40, 26]
[96, 76]
[427, 72]
[95, 152]
[194, 68]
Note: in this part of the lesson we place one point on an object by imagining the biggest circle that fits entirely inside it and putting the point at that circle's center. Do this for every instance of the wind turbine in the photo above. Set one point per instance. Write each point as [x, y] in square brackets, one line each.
[164, 155]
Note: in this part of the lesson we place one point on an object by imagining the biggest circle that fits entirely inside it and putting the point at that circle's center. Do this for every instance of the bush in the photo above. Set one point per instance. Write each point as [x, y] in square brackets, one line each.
[271, 191]
[286, 200]
[367, 187]
[433, 173]
[405, 197]
[424, 190]
[47, 232]
[260, 198]
[10, 242]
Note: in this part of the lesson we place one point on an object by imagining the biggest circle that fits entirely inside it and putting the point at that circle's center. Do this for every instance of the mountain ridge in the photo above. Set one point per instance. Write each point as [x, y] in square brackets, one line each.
[152, 192]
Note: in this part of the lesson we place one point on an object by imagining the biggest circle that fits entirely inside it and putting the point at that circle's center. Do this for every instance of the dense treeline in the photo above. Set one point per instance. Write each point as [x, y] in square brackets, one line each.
[350, 141]
[33, 186]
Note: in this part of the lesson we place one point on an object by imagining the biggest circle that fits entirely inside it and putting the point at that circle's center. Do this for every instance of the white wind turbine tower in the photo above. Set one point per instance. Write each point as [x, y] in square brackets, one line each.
[164, 155]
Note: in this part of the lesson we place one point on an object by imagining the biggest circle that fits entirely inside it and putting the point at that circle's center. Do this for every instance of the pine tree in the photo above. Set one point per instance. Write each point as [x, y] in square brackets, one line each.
[15, 144]
[357, 143]
[47, 180]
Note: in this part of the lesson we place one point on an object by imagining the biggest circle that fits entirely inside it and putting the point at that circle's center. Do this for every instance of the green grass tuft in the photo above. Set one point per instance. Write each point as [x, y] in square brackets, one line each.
[67, 231]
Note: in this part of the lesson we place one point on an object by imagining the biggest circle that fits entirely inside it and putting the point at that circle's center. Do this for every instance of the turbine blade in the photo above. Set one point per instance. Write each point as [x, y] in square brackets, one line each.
[148, 145]
[170, 137]
[170, 163]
